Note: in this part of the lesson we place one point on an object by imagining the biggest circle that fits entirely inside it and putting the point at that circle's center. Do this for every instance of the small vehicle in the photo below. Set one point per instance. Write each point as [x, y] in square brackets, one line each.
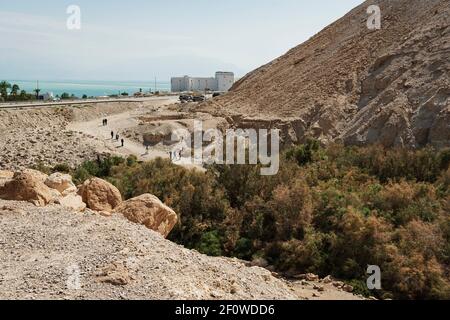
[199, 98]
[186, 98]
[216, 94]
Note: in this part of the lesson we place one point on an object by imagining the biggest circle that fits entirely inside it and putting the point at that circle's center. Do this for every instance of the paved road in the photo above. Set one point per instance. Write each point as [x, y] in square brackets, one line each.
[78, 102]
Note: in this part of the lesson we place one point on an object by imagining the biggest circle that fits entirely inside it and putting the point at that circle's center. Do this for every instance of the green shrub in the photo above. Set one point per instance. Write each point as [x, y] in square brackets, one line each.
[210, 244]
[63, 168]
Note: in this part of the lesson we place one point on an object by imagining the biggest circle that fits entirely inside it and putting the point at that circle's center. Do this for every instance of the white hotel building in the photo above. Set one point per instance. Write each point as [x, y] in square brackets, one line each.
[222, 82]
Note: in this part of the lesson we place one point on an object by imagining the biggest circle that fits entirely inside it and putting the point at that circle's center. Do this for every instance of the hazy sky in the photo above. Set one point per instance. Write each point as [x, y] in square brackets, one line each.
[141, 39]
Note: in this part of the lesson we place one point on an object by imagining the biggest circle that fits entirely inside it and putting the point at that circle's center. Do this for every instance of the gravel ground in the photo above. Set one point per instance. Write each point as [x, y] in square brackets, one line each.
[53, 253]
[42, 250]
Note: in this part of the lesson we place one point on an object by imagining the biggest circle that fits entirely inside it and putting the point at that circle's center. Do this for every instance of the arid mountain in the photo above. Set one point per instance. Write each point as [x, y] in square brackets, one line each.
[360, 86]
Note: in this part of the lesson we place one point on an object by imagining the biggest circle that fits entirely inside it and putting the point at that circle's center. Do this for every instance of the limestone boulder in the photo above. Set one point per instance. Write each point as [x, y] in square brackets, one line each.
[5, 176]
[36, 174]
[100, 195]
[61, 182]
[149, 211]
[27, 186]
[73, 201]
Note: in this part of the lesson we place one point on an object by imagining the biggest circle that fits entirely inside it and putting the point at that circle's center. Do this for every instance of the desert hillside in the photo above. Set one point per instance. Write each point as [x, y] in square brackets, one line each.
[349, 83]
[116, 259]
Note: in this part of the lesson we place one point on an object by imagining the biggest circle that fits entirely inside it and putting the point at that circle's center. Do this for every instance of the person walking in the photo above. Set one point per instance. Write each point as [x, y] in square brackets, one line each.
[106, 122]
[122, 142]
[117, 137]
[112, 135]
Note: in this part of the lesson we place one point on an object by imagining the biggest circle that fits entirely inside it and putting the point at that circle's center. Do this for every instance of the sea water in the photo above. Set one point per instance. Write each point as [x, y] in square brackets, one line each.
[91, 88]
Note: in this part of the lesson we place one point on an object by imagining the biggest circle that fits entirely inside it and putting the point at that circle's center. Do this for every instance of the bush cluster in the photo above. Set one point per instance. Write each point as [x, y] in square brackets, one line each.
[332, 210]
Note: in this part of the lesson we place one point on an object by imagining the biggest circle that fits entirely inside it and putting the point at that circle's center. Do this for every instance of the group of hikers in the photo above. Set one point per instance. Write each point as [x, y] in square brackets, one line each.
[105, 123]
[117, 138]
[176, 155]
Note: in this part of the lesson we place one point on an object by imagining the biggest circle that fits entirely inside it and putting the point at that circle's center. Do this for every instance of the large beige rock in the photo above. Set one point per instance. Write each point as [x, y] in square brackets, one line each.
[27, 186]
[36, 174]
[61, 182]
[5, 176]
[149, 211]
[100, 195]
[72, 201]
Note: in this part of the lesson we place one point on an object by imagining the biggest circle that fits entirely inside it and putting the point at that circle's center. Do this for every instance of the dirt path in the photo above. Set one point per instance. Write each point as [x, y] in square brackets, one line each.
[118, 124]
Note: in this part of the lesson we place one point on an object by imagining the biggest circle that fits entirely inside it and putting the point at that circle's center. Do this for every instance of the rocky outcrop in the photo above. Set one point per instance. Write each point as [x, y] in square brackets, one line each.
[72, 201]
[100, 195]
[149, 211]
[27, 185]
[38, 175]
[61, 182]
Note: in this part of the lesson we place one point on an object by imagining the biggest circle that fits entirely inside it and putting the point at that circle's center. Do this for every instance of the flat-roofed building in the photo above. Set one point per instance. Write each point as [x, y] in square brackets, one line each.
[222, 82]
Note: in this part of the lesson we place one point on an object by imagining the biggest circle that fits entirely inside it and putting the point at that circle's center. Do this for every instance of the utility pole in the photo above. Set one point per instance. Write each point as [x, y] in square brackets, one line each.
[37, 90]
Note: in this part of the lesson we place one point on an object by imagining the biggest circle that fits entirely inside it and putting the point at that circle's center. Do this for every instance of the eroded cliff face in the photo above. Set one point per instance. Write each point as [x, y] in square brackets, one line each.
[359, 86]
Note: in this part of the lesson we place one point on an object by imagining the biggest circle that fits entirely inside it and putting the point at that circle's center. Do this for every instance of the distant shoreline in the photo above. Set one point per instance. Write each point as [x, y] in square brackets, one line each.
[37, 104]
[91, 88]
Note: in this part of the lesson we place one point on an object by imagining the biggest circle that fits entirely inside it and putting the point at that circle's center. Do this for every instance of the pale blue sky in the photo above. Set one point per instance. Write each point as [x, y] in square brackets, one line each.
[141, 39]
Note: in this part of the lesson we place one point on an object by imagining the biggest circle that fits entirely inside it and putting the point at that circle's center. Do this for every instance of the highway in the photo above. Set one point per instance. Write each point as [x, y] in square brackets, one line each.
[35, 104]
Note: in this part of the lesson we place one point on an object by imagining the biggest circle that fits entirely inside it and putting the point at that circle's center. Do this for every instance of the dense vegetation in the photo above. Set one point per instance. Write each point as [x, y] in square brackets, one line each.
[12, 92]
[328, 211]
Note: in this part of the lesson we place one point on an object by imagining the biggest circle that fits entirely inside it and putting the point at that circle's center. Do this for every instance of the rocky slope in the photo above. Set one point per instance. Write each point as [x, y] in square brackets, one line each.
[360, 86]
[41, 136]
[54, 253]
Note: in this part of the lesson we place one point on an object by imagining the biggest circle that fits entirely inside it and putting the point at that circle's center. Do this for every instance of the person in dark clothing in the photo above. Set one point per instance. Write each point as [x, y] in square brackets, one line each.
[117, 137]
[122, 142]
[106, 122]
[112, 135]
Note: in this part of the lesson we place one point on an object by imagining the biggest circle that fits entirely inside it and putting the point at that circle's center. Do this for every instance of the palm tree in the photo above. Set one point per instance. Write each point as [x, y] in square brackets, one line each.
[37, 91]
[23, 95]
[4, 86]
[15, 89]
